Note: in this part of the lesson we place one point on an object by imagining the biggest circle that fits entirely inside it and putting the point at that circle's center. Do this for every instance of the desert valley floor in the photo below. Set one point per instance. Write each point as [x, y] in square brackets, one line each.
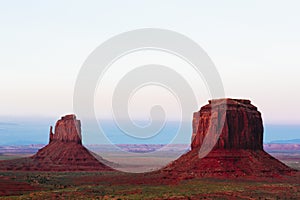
[119, 185]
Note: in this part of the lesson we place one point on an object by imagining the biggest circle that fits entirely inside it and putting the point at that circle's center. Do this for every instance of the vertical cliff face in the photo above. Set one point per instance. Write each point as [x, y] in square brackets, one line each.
[196, 118]
[241, 127]
[67, 129]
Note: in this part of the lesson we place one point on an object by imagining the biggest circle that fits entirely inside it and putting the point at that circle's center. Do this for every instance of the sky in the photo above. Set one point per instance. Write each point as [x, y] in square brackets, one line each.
[254, 44]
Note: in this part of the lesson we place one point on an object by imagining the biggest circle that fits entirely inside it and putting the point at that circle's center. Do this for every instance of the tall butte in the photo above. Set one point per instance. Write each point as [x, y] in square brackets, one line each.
[64, 152]
[227, 141]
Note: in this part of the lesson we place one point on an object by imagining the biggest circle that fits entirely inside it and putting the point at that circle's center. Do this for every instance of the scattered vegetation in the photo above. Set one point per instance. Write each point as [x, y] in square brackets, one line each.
[83, 185]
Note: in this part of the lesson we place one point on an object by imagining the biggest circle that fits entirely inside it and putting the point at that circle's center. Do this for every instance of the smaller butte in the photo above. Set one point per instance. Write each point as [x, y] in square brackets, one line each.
[64, 152]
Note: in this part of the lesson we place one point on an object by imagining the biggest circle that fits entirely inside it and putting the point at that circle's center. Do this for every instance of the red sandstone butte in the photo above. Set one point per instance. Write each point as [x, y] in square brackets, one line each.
[241, 128]
[236, 130]
[64, 152]
[67, 129]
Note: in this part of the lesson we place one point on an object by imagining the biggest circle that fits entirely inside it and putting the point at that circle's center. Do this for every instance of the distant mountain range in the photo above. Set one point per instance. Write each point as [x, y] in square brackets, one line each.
[294, 141]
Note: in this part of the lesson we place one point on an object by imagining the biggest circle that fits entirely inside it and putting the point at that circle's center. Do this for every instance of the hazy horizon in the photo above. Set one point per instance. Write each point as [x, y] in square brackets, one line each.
[24, 131]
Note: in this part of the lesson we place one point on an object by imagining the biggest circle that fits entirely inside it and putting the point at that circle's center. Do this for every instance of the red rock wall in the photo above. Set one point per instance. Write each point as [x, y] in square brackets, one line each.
[242, 128]
[196, 118]
[67, 129]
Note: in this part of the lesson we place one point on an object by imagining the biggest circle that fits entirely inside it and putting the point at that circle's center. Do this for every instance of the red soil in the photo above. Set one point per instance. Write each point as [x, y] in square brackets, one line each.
[10, 187]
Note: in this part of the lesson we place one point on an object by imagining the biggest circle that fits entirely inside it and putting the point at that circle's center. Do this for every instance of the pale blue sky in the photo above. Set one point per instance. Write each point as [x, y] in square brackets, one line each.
[254, 44]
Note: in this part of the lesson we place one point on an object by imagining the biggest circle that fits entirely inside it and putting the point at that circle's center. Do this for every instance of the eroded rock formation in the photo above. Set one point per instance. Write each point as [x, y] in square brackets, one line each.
[236, 131]
[64, 152]
[67, 129]
[236, 123]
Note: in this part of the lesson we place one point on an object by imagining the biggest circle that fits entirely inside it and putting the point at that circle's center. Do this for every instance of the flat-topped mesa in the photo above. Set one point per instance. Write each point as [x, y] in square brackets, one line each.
[67, 129]
[227, 142]
[242, 128]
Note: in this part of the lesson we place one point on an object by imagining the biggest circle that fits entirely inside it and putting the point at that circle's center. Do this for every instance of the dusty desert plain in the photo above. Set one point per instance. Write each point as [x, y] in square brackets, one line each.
[153, 185]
